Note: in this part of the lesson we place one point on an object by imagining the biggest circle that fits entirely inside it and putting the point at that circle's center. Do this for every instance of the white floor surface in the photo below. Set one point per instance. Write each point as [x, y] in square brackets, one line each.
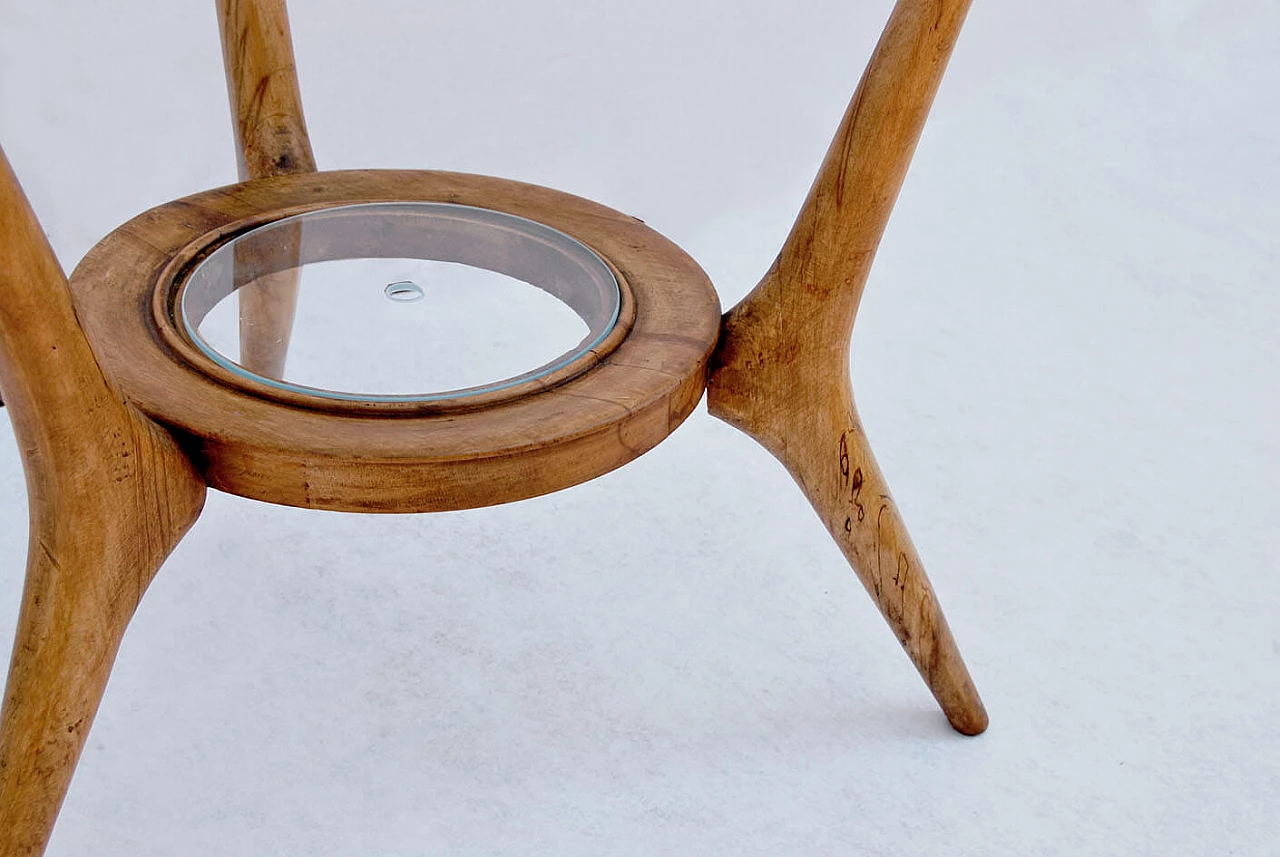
[1067, 359]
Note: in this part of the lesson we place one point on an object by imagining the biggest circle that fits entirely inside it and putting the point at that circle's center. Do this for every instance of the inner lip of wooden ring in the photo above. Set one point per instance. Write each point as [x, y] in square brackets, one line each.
[523, 249]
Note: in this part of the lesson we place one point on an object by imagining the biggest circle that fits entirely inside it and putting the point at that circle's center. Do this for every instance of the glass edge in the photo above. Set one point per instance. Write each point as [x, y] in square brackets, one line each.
[405, 398]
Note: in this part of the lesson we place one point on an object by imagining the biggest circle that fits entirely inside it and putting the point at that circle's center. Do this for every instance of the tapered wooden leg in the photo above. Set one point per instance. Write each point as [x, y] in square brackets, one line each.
[271, 140]
[266, 322]
[267, 305]
[781, 370]
[109, 495]
[824, 448]
[85, 576]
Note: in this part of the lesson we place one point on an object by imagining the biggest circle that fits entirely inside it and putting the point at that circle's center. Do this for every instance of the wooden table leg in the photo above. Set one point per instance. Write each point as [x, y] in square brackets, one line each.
[271, 140]
[110, 494]
[267, 306]
[781, 371]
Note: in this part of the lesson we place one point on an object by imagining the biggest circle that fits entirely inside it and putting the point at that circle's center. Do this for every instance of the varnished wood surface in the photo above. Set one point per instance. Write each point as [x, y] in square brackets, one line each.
[111, 492]
[262, 84]
[271, 140]
[309, 456]
[781, 371]
[267, 309]
[109, 496]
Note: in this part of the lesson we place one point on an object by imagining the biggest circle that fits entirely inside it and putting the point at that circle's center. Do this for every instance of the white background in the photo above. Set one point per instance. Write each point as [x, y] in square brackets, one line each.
[1067, 359]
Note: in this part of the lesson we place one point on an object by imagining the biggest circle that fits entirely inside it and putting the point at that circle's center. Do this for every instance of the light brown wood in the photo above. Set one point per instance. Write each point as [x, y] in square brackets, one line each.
[781, 371]
[271, 140]
[267, 309]
[262, 84]
[111, 492]
[109, 495]
[428, 457]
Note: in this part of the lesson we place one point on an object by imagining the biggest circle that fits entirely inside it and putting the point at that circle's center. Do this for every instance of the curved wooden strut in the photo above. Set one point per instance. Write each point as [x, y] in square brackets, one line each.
[110, 494]
[781, 370]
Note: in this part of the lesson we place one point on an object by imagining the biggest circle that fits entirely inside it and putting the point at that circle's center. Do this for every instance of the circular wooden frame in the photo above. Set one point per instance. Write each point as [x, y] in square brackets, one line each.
[394, 456]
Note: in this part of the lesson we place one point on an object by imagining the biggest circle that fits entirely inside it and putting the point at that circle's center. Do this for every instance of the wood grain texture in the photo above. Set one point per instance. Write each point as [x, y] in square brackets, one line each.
[262, 84]
[271, 140]
[781, 371]
[385, 458]
[109, 495]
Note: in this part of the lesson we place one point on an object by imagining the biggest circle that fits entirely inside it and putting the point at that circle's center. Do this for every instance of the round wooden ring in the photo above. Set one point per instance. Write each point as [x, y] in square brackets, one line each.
[382, 456]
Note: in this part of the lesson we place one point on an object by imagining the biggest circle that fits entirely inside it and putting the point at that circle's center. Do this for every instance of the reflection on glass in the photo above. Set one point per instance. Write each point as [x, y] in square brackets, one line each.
[399, 302]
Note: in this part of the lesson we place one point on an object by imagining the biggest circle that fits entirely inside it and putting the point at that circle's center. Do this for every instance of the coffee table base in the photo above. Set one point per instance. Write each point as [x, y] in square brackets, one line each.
[116, 475]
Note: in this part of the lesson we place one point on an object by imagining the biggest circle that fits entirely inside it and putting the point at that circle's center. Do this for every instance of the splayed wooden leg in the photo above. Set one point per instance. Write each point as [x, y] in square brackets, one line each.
[109, 493]
[267, 306]
[271, 140]
[781, 370]
[85, 576]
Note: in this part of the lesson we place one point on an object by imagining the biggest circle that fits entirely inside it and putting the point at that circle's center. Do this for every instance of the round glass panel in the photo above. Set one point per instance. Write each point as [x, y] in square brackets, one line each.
[400, 302]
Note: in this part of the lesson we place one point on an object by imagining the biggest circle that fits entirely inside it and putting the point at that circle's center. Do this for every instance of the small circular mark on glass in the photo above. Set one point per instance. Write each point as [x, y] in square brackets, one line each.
[404, 291]
[486, 267]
